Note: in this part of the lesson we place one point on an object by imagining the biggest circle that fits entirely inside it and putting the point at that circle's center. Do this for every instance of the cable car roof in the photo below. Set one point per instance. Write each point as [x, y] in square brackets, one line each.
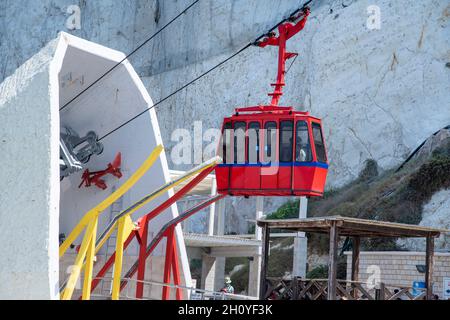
[270, 110]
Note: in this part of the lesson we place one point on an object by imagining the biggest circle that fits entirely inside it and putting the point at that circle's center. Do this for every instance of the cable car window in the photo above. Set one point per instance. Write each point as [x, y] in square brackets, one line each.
[253, 142]
[286, 141]
[318, 142]
[270, 141]
[226, 143]
[303, 147]
[239, 142]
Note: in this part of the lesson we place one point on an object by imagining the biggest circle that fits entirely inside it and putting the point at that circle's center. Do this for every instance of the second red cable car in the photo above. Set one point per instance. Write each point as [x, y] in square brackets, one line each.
[272, 150]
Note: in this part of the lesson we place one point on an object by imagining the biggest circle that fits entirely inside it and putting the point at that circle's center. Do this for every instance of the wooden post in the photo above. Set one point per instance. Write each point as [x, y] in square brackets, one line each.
[355, 258]
[265, 261]
[355, 263]
[295, 288]
[382, 291]
[429, 267]
[332, 263]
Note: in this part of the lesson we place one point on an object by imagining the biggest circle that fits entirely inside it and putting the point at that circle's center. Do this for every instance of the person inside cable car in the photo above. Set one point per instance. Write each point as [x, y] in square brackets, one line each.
[303, 149]
[301, 154]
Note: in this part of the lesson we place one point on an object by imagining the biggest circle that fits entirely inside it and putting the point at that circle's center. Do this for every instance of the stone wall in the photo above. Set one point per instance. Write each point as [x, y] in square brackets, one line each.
[399, 268]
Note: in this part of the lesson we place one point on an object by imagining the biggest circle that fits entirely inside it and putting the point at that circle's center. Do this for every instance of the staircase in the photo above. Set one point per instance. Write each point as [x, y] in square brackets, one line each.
[110, 247]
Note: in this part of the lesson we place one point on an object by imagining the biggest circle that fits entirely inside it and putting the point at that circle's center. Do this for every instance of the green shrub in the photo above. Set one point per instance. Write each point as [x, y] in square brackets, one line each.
[319, 272]
[429, 179]
[287, 211]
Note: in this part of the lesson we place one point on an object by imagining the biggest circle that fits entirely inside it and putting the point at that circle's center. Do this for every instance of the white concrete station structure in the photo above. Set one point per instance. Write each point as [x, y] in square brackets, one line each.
[35, 206]
[38, 206]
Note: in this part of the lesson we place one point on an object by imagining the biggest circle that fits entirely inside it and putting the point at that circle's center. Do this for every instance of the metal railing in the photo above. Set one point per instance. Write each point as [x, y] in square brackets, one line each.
[91, 245]
[89, 222]
[192, 293]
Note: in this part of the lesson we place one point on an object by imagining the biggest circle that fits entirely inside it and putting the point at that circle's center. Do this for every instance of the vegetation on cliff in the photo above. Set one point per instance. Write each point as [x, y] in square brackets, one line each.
[393, 195]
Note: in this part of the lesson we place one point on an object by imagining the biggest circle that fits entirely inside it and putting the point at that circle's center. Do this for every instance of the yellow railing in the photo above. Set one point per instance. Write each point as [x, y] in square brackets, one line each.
[90, 222]
[124, 224]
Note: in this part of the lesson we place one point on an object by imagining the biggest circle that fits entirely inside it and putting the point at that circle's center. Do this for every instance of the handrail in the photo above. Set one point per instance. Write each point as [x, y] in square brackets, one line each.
[155, 241]
[388, 285]
[203, 291]
[137, 205]
[90, 246]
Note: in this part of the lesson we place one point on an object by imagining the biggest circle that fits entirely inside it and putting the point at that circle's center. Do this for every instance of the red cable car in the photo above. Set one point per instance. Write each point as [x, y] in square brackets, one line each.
[272, 150]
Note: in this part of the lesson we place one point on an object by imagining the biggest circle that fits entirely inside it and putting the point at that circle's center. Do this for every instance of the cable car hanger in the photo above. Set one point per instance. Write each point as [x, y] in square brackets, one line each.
[286, 31]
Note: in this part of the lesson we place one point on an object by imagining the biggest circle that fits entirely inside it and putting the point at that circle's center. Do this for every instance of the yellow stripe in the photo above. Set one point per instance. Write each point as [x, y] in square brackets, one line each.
[70, 287]
[124, 229]
[89, 264]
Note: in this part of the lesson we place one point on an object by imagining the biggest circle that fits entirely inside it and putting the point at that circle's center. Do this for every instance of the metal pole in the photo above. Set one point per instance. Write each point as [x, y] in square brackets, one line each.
[168, 264]
[300, 243]
[259, 214]
[142, 260]
[265, 261]
[212, 209]
[221, 218]
[176, 268]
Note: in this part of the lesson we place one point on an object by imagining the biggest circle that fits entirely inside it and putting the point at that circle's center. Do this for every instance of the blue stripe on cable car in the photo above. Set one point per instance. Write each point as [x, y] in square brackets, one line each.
[282, 164]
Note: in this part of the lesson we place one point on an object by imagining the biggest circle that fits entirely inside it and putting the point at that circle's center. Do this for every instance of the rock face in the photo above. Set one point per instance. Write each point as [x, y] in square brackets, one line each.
[440, 140]
[380, 92]
[435, 214]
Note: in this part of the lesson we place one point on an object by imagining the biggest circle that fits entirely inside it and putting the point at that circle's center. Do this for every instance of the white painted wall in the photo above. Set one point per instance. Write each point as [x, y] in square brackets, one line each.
[29, 195]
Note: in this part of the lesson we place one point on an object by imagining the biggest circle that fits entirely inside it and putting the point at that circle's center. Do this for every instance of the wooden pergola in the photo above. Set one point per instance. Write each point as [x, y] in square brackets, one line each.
[356, 229]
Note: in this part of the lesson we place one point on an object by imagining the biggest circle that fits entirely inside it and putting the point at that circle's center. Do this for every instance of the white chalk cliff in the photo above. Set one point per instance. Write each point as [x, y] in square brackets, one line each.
[380, 92]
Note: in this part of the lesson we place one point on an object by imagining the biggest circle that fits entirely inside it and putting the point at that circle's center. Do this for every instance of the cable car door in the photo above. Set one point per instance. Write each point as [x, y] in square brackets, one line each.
[269, 165]
[310, 167]
[285, 155]
[253, 166]
[237, 171]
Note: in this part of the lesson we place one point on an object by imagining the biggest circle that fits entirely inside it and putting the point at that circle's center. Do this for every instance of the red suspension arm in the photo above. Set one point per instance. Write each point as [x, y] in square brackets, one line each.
[286, 31]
